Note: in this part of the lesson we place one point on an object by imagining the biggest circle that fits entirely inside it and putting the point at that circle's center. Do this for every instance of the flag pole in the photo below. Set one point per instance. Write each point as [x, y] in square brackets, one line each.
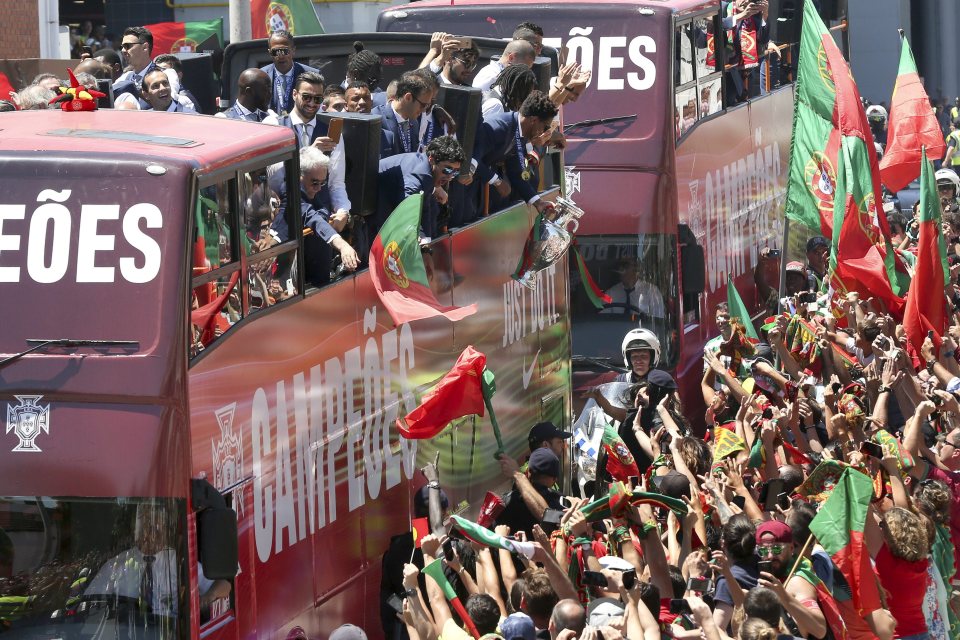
[782, 289]
[488, 387]
[806, 545]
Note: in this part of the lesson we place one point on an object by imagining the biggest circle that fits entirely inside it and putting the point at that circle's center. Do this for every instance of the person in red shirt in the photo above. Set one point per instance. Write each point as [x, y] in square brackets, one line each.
[900, 549]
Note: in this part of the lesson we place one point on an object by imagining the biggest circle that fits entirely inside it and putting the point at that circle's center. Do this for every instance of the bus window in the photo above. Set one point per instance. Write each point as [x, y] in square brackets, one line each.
[707, 62]
[683, 50]
[215, 302]
[270, 281]
[259, 205]
[686, 114]
[639, 275]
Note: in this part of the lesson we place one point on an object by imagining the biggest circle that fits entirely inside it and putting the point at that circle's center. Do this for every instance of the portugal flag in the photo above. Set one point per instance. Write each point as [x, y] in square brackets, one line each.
[459, 393]
[620, 462]
[296, 16]
[838, 526]
[179, 37]
[926, 304]
[397, 271]
[913, 125]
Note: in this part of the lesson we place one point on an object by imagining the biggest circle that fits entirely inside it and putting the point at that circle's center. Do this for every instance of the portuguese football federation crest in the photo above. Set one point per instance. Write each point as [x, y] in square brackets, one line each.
[228, 455]
[27, 420]
[393, 265]
[821, 180]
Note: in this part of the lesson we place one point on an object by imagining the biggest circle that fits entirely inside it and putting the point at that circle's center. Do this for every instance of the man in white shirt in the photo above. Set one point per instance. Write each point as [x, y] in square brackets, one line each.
[632, 295]
[156, 95]
[137, 49]
[253, 99]
[516, 52]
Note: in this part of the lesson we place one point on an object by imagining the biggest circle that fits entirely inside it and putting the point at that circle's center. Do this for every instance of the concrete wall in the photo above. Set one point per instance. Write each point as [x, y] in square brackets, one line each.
[875, 45]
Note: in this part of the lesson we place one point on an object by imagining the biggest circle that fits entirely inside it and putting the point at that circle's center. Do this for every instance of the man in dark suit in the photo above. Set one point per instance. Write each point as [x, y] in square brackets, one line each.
[315, 214]
[429, 173]
[253, 99]
[503, 139]
[284, 71]
[401, 116]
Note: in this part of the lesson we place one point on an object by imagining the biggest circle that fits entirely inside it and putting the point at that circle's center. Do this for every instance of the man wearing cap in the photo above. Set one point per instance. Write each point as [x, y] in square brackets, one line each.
[532, 494]
[798, 597]
[818, 255]
[798, 279]
[546, 434]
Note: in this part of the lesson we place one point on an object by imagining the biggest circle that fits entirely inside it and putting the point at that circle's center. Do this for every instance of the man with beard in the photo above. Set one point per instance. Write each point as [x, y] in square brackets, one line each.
[284, 71]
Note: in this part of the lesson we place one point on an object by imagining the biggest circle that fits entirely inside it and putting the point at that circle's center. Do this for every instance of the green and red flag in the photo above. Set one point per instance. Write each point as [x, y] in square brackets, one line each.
[620, 462]
[435, 571]
[839, 527]
[299, 17]
[829, 605]
[738, 310]
[180, 37]
[676, 505]
[598, 298]
[459, 393]
[926, 308]
[481, 535]
[397, 271]
[913, 125]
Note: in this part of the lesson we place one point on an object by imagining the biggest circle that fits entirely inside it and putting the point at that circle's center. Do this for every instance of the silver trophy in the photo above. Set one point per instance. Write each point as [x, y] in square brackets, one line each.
[553, 236]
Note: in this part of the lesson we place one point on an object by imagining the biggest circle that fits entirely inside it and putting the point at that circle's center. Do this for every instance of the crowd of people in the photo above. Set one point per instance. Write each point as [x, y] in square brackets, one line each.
[419, 143]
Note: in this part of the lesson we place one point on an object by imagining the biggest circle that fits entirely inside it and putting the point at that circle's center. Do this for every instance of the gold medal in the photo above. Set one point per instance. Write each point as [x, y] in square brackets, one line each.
[525, 175]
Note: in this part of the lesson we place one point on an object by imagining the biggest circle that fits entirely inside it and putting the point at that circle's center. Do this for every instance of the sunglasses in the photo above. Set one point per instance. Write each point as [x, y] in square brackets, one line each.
[126, 46]
[279, 51]
[468, 62]
[309, 97]
[772, 550]
[450, 171]
[317, 183]
[425, 105]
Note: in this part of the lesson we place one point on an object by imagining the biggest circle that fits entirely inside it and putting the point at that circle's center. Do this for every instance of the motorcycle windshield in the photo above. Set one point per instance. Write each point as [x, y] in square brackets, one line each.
[639, 274]
[93, 568]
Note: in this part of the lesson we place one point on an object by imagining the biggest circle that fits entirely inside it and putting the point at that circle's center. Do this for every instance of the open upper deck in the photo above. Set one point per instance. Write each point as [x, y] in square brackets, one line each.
[194, 141]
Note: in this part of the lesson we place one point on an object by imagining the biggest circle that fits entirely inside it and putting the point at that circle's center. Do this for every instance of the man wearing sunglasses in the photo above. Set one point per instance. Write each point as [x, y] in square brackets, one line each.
[137, 51]
[429, 173]
[453, 59]
[283, 71]
[400, 117]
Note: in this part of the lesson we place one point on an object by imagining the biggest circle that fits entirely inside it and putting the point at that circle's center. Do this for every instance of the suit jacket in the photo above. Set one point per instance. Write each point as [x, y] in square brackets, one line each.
[315, 215]
[320, 128]
[496, 142]
[234, 113]
[400, 176]
[388, 122]
[284, 106]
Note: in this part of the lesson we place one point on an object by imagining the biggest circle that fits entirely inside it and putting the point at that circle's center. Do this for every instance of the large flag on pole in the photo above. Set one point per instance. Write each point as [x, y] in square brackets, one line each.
[458, 394]
[179, 37]
[397, 271]
[299, 17]
[926, 308]
[839, 526]
[913, 125]
[481, 535]
[739, 311]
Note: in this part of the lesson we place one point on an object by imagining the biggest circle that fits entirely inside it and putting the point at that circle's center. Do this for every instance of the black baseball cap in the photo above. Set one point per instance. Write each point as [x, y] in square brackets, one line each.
[543, 431]
[816, 242]
[545, 462]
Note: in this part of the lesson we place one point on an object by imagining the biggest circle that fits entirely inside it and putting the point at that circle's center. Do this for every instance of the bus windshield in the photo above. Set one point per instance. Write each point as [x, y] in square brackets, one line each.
[92, 568]
[84, 250]
[638, 273]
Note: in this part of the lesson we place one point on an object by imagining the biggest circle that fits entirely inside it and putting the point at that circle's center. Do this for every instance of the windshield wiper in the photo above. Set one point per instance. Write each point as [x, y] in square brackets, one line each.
[66, 342]
[591, 123]
[598, 362]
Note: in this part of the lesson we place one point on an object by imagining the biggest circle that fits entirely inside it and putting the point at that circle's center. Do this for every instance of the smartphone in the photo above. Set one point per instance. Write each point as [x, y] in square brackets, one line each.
[679, 606]
[335, 129]
[930, 334]
[871, 449]
[464, 42]
[770, 493]
[700, 585]
[836, 387]
[767, 414]
[634, 482]
[395, 602]
[594, 579]
[773, 254]
[740, 501]
[765, 566]
[664, 443]
[448, 553]
[552, 516]
[629, 579]
[87, 50]
[656, 481]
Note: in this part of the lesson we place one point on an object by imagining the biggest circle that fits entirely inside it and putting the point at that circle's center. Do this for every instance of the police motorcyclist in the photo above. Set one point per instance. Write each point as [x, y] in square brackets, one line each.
[641, 353]
[877, 117]
[948, 188]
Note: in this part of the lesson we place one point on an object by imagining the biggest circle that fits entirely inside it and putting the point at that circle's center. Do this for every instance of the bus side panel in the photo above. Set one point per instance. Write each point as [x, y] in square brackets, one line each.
[305, 401]
[731, 179]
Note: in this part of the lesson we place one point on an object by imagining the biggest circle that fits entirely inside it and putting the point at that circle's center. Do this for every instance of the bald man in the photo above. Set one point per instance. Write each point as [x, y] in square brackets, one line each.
[516, 52]
[97, 68]
[253, 99]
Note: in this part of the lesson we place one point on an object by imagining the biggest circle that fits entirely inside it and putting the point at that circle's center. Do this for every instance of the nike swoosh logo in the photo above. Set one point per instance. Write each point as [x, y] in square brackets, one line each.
[528, 374]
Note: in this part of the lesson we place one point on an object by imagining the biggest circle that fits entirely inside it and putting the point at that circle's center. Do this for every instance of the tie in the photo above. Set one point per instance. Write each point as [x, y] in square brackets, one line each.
[304, 135]
[253, 116]
[137, 80]
[405, 135]
[146, 584]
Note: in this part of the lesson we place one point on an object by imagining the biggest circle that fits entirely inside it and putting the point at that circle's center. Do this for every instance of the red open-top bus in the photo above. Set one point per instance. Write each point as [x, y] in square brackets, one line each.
[671, 172]
[119, 231]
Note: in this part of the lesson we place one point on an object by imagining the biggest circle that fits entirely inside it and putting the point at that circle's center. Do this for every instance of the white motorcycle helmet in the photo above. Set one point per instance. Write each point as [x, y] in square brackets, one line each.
[948, 177]
[637, 339]
[876, 114]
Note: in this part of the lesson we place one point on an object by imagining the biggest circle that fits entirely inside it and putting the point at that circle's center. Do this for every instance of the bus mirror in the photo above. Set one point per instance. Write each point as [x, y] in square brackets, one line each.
[693, 265]
[217, 538]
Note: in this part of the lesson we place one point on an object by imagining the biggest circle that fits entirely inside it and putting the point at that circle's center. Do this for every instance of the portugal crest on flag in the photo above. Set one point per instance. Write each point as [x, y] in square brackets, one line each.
[821, 180]
[393, 265]
[279, 18]
[183, 44]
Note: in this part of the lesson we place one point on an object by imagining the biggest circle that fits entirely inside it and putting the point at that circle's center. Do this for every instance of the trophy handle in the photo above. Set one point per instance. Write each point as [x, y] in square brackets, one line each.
[572, 225]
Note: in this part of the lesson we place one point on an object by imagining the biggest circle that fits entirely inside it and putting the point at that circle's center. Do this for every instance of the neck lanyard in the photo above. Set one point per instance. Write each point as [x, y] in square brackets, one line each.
[521, 156]
[405, 135]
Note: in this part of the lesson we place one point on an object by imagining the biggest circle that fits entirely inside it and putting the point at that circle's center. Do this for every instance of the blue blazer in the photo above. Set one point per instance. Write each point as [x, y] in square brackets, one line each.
[284, 105]
[495, 143]
[388, 122]
[320, 128]
[400, 176]
[314, 214]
